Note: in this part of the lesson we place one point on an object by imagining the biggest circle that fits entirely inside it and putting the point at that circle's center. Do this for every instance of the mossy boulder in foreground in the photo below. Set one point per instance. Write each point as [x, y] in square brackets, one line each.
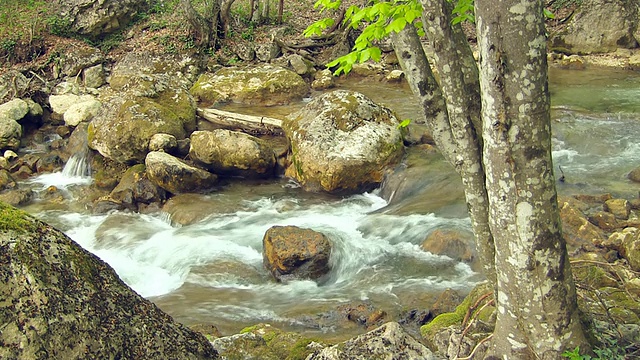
[58, 301]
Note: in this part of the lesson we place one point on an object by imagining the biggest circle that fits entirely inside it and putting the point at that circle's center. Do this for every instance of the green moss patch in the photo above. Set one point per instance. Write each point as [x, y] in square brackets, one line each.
[12, 219]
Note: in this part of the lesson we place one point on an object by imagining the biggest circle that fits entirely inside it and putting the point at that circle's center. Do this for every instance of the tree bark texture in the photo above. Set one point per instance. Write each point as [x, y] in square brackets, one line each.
[458, 71]
[536, 301]
[503, 154]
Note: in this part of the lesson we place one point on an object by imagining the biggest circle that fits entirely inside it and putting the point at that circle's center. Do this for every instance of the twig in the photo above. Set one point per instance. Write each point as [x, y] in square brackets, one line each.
[475, 348]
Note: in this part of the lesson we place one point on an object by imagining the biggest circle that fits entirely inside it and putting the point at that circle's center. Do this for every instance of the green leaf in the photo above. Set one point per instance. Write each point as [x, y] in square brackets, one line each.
[404, 123]
[549, 15]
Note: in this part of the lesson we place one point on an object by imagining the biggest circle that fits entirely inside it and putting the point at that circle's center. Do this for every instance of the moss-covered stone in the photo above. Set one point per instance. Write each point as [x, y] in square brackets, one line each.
[264, 342]
[14, 220]
[59, 301]
[445, 320]
[266, 85]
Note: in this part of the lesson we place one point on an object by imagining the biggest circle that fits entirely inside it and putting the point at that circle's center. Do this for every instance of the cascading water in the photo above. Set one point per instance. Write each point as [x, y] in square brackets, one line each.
[78, 165]
[77, 171]
[211, 271]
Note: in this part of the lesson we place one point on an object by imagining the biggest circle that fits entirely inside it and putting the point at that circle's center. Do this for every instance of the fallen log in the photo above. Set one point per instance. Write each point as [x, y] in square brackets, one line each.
[254, 125]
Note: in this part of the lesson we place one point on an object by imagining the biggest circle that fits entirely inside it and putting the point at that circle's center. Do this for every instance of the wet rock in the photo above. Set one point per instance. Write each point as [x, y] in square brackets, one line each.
[604, 220]
[185, 209]
[49, 163]
[389, 341]
[291, 252]
[573, 62]
[455, 244]
[363, 314]
[4, 163]
[367, 69]
[6, 180]
[634, 175]
[175, 176]
[232, 153]
[106, 204]
[163, 142]
[446, 302]
[620, 208]
[342, 142]
[135, 188]
[17, 197]
[265, 85]
[65, 302]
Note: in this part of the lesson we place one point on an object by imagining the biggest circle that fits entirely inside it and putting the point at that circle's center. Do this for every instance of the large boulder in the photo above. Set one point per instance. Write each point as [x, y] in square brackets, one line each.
[389, 341]
[152, 98]
[60, 301]
[175, 176]
[95, 19]
[342, 142]
[599, 26]
[228, 152]
[265, 85]
[291, 252]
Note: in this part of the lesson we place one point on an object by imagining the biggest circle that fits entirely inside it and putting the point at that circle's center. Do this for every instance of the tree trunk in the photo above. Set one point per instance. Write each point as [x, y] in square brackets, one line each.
[505, 164]
[265, 11]
[204, 28]
[280, 11]
[459, 82]
[537, 311]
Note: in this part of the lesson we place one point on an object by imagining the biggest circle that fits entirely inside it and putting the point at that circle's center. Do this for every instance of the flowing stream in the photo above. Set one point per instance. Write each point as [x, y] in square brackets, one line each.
[212, 272]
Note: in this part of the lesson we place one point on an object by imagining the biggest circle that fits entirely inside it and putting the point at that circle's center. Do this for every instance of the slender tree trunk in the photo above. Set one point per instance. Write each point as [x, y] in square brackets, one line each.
[280, 11]
[265, 11]
[459, 81]
[537, 311]
[252, 9]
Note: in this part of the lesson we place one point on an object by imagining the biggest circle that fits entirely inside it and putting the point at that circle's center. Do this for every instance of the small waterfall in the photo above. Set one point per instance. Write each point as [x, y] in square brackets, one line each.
[78, 165]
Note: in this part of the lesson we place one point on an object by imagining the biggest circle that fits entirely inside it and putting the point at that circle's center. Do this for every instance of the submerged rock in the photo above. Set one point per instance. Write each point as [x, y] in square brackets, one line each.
[294, 253]
[342, 142]
[59, 301]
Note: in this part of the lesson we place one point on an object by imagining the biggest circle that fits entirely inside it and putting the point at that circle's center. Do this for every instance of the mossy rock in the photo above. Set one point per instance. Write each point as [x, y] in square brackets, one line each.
[445, 320]
[264, 342]
[14, 220]
[265, 85]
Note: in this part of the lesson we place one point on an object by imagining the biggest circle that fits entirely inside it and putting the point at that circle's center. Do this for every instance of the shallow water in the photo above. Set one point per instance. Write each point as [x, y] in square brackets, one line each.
[211, 271]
